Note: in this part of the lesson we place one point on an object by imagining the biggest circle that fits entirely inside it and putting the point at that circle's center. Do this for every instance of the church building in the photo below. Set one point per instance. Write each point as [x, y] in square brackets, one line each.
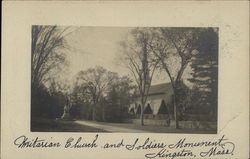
[158, 101]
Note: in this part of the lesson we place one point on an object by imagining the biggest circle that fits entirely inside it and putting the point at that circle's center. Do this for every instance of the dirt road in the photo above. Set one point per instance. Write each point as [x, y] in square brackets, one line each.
[109, 128]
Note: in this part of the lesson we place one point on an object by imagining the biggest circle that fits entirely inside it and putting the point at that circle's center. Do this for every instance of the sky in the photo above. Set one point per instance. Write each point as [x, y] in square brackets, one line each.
[92, 46]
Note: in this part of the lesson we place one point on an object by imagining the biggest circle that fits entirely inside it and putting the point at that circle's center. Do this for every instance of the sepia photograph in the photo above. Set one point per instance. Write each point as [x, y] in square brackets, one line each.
[128, 79]
[124, 79]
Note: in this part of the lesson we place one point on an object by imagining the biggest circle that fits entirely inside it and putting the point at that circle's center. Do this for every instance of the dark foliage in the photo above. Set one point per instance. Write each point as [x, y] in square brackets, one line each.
[205, 71]
[107, 99]
[46, 105]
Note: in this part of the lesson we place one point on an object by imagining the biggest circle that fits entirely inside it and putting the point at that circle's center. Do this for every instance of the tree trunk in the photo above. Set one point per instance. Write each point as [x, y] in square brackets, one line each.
[175, 112]
[103, 113]
[93, 112]
[142, 118]
[142, 112]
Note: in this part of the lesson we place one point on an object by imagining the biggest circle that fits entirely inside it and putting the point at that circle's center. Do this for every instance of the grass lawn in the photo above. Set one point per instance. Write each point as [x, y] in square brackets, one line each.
[46, 125]
[157, 129]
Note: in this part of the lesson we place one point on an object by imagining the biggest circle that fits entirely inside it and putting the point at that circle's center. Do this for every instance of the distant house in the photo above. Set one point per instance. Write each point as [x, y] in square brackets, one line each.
[158, 101]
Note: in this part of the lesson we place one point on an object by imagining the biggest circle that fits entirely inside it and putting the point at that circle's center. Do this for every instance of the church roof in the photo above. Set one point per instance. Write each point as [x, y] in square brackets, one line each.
[159, 89]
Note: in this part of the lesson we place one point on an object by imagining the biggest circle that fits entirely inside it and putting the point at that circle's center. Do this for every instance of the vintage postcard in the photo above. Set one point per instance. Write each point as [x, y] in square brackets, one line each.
[135, 79]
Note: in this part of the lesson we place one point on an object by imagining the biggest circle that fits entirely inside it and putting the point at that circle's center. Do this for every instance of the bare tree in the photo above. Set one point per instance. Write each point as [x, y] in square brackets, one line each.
[95, 82]
[45, 54]
[138, 60]
[174, 48]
